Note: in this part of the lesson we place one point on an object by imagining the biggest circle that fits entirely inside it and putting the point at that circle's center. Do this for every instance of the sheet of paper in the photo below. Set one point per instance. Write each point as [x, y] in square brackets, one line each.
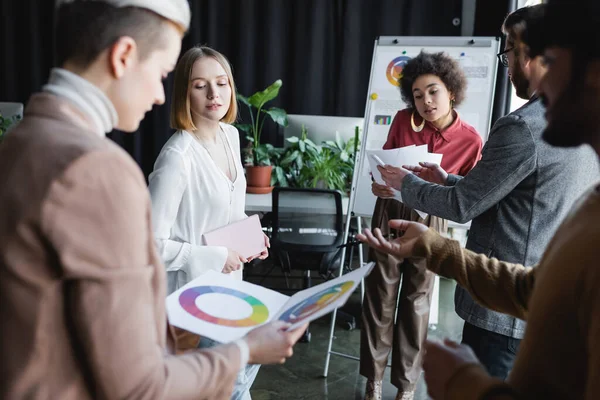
[387, 156]
[312, 303]
[222, 308]
[415, 156]
[244, 236]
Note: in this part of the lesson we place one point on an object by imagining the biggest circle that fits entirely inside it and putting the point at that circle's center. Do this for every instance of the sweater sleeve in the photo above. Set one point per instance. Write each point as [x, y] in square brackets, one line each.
[508, 157]
[167, 184]
[495, 284]
[588, 311]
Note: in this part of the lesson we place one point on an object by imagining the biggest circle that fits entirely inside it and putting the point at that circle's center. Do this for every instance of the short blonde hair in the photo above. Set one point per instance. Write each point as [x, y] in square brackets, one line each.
[181, 115]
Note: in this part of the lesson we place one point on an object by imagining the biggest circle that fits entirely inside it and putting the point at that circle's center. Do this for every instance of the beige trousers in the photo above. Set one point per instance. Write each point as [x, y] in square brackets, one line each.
[379, 333]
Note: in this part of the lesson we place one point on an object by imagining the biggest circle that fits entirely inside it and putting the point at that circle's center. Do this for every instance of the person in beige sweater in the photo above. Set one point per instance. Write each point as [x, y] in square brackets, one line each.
[82, 287]
[559, 357]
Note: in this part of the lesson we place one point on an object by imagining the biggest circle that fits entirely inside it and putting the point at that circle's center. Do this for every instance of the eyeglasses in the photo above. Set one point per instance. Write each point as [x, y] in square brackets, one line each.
[503, 57]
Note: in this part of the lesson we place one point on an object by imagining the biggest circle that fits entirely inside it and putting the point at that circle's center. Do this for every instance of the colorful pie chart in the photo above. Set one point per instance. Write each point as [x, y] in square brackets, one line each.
[394, 69]
[187, 300]
[315, 303]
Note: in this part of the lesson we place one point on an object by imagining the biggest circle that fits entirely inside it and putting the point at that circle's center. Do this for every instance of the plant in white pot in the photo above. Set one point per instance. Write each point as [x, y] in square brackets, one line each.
[258, 155]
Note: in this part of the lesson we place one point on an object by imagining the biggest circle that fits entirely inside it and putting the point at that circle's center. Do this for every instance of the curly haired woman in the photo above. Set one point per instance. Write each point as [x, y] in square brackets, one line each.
[432, 85]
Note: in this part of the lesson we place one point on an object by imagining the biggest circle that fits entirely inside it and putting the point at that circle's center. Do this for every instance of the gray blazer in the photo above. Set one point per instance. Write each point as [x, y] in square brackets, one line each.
[516, 196]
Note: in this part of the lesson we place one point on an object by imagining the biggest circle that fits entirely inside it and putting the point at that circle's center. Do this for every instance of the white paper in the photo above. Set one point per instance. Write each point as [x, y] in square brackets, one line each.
[408, 155]
[225, 309]
[389, 157]
[314, 302]
[222, 308]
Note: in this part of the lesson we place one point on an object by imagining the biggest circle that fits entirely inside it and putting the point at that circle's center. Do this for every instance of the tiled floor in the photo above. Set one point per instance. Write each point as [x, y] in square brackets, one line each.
[302, 376]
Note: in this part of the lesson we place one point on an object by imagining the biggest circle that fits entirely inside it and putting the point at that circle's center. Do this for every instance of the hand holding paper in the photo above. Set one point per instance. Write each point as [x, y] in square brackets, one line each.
[408, 155]
[393, 176]
[382, 191]
[225, 309]
[272, 343]
[381, 157]
[429, 172]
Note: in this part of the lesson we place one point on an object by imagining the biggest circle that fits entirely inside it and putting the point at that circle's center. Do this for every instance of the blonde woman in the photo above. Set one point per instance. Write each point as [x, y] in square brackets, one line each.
[198, 182]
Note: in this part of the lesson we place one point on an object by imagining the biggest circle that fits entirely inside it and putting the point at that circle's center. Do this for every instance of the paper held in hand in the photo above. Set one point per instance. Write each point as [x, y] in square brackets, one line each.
[244, 236]
[225, 309]
[409, 155]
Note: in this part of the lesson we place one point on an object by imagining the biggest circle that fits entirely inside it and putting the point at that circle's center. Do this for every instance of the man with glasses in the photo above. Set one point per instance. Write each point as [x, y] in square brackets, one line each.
[516, 196]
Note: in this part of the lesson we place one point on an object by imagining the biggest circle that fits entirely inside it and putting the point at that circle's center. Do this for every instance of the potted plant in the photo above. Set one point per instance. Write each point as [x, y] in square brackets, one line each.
[258, 156]
[293, 159]
[305, 164]
[6, 123]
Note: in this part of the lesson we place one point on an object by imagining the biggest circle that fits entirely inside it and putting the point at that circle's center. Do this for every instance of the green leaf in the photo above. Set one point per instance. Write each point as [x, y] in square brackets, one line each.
[310, 142]
[313, 152]
[278, 115]
[243, 99]
[280, 177]
[262, 155]
[303, 132]
[344, 156]
[293, 139]
[259, 99]
[244, 127]
[302, 146]
[290, 157]
[338, 140]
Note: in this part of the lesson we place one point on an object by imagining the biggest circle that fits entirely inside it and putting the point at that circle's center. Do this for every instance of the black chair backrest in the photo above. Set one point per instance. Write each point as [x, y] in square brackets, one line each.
[307, 219]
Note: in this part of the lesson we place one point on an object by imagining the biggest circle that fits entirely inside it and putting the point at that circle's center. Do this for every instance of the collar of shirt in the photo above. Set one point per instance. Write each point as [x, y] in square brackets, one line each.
[449, 132]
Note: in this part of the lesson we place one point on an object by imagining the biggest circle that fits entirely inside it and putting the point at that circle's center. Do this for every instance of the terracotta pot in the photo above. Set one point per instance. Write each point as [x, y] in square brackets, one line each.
[259, 176]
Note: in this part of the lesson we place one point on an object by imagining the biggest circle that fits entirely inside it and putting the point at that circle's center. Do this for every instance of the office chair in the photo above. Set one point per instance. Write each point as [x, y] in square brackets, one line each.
[307, 233]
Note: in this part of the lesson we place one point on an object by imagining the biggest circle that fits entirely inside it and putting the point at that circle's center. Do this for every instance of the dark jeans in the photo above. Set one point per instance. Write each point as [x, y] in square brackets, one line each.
[495, 351]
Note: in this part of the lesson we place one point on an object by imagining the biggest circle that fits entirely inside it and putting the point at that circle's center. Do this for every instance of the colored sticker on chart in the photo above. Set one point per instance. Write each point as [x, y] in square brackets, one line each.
[315, 303]
[394, 69]
[187, 300]
[382, 120]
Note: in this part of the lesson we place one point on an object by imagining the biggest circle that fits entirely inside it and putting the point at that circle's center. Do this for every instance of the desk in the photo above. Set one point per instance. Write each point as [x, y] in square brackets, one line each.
[256, 203]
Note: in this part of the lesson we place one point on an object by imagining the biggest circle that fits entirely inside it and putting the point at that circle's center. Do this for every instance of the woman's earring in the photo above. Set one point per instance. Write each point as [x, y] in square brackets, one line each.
[451, 104]
[412, 123]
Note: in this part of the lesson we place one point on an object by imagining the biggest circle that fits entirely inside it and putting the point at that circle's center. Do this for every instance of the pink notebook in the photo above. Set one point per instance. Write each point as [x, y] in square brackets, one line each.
[244, 236]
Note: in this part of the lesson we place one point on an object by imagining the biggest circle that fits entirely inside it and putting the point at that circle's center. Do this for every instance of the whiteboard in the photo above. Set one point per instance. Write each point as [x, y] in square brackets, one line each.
[477, 57]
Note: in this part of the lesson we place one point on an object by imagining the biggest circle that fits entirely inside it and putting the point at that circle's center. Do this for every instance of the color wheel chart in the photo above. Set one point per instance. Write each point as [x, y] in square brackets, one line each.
[394, 69]
[315, 303]
[187, 300]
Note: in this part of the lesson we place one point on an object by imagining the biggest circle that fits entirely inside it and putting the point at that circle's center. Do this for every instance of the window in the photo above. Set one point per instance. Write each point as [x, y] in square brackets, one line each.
[515, 101]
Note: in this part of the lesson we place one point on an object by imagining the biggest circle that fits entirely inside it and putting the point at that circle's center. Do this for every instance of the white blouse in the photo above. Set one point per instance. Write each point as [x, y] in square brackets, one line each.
[190, 196]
